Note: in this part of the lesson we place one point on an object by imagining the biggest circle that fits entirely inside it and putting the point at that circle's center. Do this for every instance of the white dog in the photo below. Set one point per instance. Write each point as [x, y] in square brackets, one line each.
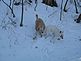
[53, 32]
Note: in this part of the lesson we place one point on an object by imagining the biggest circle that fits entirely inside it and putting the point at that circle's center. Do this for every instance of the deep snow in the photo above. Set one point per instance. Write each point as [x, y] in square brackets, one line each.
[16, 43]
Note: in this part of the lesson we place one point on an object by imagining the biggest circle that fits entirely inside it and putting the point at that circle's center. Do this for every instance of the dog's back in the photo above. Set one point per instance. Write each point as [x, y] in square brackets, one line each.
[53, 31]
[39, 25]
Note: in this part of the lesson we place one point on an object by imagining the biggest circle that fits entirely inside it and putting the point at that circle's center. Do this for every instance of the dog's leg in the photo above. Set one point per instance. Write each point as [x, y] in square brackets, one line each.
[35, 37]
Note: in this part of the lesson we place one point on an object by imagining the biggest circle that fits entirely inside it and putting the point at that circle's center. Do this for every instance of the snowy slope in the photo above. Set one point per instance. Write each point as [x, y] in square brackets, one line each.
[16, 43]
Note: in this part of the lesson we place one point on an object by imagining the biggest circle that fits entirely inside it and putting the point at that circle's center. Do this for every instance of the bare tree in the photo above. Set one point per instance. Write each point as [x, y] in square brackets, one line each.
[61, 10]
[36, 5]
[76, 6]
[13, 4]
[10, 2]
[21, 23]
[9, 7]
[65, 6]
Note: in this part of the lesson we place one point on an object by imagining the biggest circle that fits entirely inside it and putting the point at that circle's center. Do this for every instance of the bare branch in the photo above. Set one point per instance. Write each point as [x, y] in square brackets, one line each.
[9, 7]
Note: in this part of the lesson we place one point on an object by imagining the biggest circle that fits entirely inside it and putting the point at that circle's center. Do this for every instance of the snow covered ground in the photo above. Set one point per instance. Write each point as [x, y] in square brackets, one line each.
[16, 43]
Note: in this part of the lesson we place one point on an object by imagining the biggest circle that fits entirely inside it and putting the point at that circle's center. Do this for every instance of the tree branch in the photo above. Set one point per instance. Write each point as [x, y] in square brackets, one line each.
[9, 7]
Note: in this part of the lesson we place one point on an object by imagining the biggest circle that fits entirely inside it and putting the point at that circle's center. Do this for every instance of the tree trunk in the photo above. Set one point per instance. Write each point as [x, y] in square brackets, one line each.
[61, 10]
[10, 2]
[36, 5]
[65, 6]
[21, 23]
[76, 6]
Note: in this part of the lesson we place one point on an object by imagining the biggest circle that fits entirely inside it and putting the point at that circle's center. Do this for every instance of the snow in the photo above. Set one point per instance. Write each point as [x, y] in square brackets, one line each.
[17, 44]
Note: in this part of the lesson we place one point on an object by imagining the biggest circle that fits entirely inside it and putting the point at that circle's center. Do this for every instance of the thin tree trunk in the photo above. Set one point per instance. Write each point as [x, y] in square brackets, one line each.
[76, 6]
[61, 10]
[9, 7]
[10, 2]
[65, 6]
[36, 5]
[21, 23]
[13, 4]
